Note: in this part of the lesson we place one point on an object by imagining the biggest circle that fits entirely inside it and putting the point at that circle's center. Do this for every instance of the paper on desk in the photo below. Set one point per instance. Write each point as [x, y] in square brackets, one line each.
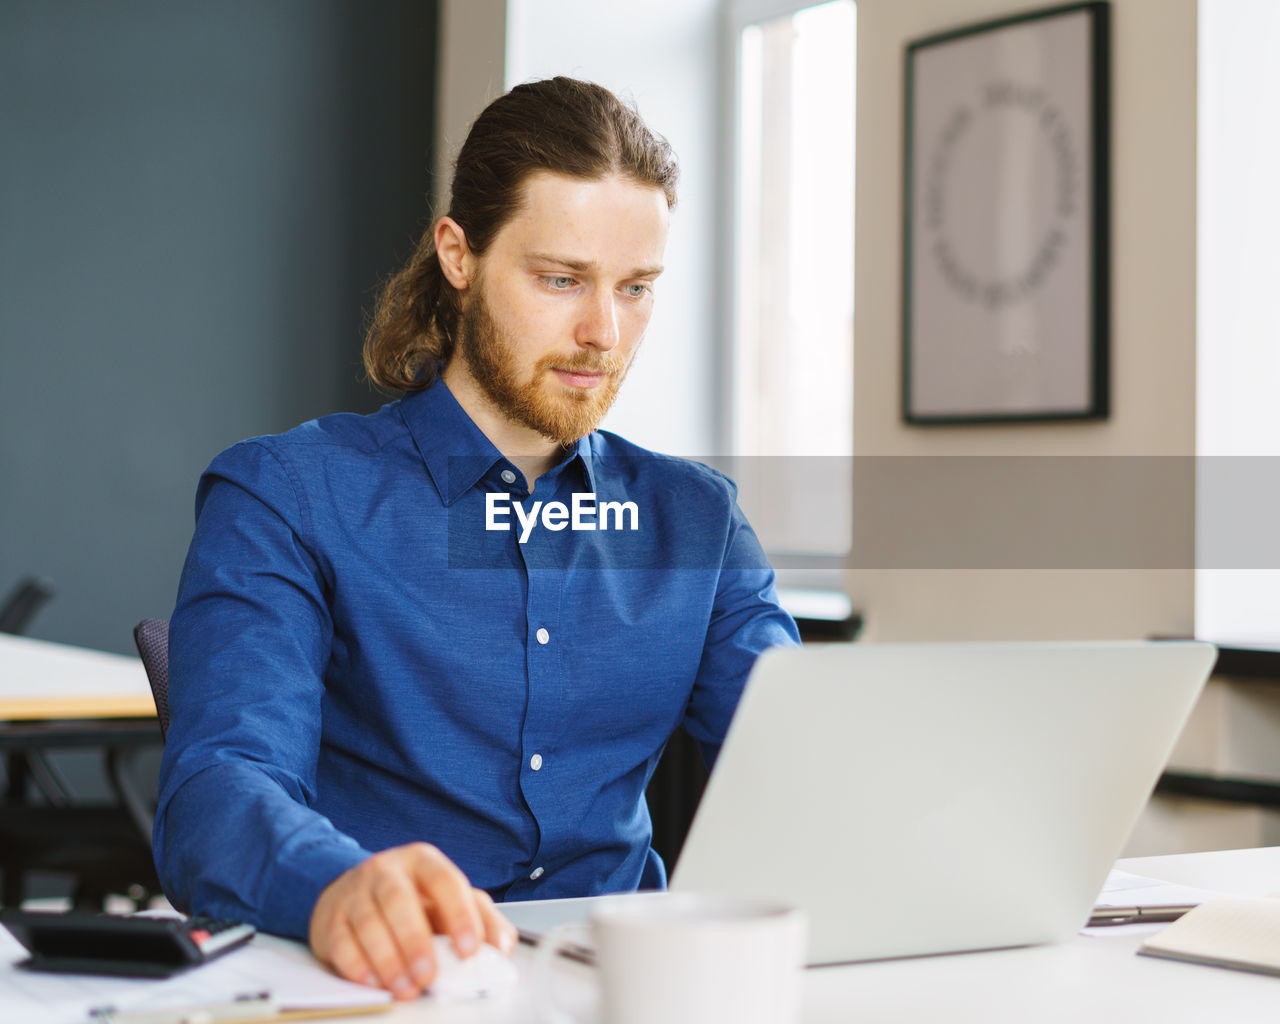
[51, 999]
[1122, 889]
[294, 983]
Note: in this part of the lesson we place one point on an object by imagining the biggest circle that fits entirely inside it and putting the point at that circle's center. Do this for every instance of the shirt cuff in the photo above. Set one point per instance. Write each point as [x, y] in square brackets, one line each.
[300, 878]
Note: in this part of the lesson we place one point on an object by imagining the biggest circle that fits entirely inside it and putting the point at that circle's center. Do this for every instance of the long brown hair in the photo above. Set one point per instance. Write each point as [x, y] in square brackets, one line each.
[574, 128]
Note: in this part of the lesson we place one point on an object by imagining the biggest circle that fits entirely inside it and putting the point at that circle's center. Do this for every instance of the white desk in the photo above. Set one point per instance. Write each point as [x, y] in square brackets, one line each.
[1089, 980]
[42, 680]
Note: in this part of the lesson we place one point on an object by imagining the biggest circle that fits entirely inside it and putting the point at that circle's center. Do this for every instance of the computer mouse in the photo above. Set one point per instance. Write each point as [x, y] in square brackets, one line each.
[486, 972]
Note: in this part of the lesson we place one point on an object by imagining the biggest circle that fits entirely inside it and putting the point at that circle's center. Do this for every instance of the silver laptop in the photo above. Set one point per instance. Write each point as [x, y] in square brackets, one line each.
[932, 798]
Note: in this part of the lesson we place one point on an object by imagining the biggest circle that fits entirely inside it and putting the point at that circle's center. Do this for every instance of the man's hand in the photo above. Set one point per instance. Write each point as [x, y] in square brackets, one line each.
[374, 923]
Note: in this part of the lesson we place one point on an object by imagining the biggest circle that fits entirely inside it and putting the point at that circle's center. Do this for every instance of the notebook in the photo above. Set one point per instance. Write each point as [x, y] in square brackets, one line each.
[1241, 932]
[932, 798]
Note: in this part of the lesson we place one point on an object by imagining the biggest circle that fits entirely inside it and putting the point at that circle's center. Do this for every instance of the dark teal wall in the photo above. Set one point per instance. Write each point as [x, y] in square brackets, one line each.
[196, 203]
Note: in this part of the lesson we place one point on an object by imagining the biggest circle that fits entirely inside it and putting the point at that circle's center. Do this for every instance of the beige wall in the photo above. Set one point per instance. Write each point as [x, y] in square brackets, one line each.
[1153, 145]
[471, 72]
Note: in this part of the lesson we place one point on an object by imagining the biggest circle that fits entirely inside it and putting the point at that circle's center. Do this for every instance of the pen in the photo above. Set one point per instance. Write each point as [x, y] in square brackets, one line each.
[252, 1007]
[570, 950]
[1138, 915]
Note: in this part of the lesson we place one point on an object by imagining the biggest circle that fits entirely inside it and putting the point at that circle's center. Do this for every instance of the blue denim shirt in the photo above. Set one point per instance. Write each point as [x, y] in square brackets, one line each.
[362, 657]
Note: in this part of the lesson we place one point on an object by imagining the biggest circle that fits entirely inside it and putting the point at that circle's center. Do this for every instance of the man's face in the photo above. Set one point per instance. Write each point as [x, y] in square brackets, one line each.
[561, 299]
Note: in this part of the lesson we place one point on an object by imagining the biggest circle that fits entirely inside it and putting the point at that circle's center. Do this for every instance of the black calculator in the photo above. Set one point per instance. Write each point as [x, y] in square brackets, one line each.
[80, 942]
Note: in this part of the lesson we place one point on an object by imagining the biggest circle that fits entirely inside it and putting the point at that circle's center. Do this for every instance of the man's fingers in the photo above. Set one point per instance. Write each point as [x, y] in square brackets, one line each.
[343, 952]
[398, 902]
[448, 898]
[498, 931]
[380, 948]
[375, 922]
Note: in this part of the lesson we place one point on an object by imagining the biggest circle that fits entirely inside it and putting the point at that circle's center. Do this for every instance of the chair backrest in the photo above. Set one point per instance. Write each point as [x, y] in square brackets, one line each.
[22, 603]
[152, 639]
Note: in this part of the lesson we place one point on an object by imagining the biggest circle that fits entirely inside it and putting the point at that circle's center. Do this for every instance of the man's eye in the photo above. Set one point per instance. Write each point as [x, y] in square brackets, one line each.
[637, 290]
[560, 283]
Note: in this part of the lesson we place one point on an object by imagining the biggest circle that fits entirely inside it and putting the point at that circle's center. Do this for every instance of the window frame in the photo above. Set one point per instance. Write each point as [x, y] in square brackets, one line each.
[795, 568]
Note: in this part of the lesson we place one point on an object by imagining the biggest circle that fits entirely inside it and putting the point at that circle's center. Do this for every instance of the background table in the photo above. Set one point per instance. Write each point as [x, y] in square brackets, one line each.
[52, 697]
[43, 680]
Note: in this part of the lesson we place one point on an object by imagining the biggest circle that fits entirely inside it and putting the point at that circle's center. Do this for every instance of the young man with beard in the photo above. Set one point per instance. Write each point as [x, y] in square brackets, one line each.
[388, 712]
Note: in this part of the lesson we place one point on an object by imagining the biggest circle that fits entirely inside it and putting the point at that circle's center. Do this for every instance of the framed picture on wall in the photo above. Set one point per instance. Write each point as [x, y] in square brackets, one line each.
[1005, 268]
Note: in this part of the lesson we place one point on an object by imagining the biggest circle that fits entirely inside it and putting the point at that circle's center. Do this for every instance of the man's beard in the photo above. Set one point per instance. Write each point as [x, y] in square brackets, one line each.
[564, 415]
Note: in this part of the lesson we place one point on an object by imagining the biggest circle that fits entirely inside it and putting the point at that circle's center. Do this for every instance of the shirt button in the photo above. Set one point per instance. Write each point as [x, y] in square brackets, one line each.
[543, 636]
[535, 874]
[535, 762]
[508, 477]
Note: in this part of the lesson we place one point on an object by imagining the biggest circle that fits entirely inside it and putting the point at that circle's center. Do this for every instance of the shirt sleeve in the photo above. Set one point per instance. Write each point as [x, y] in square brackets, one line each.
[235, 832]
[746, 619]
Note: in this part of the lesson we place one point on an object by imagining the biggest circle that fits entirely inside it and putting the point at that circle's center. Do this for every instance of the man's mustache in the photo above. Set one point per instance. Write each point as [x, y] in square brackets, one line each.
[586, 362]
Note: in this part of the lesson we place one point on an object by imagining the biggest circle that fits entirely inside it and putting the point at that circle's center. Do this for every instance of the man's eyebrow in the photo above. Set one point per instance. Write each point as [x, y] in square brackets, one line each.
[586, 266]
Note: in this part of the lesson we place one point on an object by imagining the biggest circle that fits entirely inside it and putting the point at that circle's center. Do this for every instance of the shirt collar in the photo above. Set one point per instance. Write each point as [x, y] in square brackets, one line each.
[582, 452]
[456, 452]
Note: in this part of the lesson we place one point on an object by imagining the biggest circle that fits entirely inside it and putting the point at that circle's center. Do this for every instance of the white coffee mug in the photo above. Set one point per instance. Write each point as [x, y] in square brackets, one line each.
[688, 957]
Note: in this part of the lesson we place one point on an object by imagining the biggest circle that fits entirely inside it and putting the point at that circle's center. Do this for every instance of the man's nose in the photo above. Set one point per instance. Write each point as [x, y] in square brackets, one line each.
[598, 326]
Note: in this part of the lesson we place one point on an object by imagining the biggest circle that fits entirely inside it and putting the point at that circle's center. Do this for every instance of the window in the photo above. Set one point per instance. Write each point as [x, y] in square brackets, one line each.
[790, 389]
[1237, 595]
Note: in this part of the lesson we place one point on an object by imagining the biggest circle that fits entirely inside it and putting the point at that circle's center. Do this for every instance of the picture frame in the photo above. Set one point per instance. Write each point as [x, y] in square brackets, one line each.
[1006, 222]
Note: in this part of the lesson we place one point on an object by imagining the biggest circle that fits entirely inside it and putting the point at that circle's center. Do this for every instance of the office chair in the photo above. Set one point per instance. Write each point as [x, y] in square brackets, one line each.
[24, 600]
[152, 639]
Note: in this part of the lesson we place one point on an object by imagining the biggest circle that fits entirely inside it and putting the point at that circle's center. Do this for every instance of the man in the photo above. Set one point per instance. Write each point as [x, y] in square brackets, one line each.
[443, 645]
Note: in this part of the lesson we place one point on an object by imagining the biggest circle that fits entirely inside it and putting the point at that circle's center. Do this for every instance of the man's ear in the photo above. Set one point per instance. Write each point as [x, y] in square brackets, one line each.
[455, 256]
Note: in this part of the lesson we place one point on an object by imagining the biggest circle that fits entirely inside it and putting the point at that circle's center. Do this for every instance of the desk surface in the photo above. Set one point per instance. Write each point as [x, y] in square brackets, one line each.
[1094, 979]
[42, 680]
